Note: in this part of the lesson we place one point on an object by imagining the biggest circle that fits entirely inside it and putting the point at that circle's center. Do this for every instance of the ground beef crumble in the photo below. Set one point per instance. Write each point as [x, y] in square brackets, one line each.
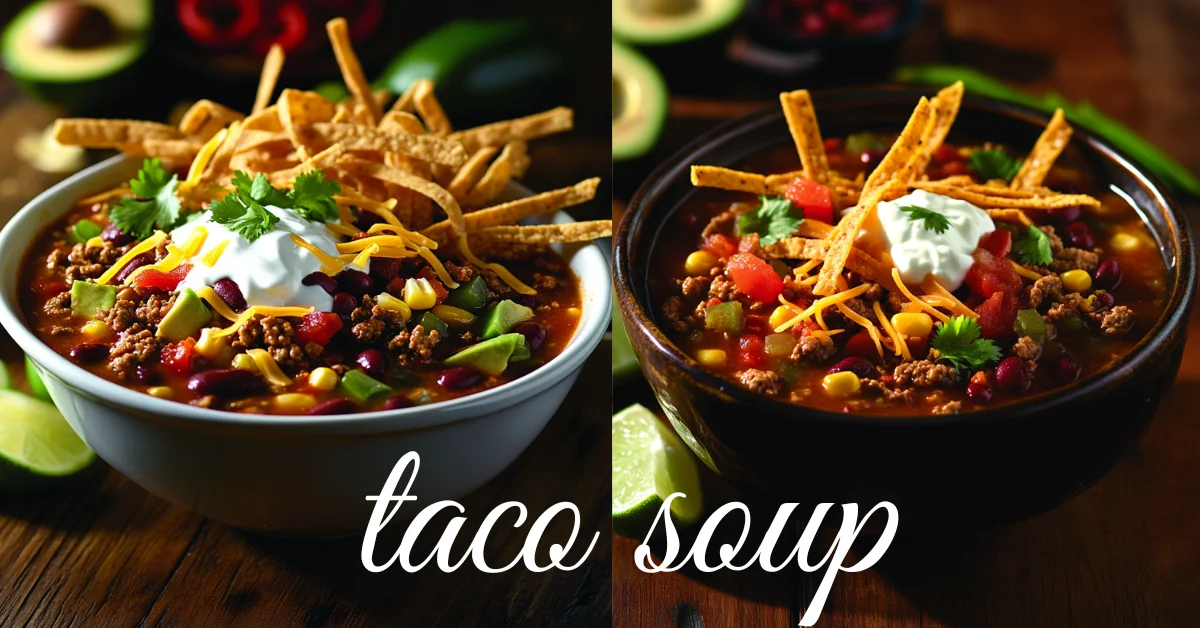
[1027, 348]
[813, 348]
[1117, 321]
[136, 345]
[58, 306]
[1047, 290]
[415, 347]
[1072, 259]
[924, 373]
[765, 382]
[276, 336]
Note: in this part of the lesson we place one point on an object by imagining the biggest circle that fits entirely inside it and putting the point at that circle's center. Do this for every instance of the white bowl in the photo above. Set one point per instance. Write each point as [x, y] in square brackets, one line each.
[295, 476]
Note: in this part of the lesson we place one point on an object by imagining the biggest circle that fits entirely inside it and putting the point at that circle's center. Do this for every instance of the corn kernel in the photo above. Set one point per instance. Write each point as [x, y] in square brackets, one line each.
[699, 263]
[323, 378]
[453, 315]
[1076, 280]
[840, 384]
[389, 302]
[712, 358]
[244, 362]
[162, 392]
[294, 403]
[419, 294]
[913, 324]
[208, 346]
[1124, 242]
[97, 330]
[781, 315]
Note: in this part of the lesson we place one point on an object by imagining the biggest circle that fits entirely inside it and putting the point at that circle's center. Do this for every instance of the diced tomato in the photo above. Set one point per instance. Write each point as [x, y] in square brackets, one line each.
[754, 277]
[997, 314]
[152, 278]
[861, 345]
[990, 274]
[720, 245]
[438, 288]
[998, 242]
[179, 357]
[751, 351]
[832, 144]
[318, 327]
[813, 197]
[955, 168]
[918, 348]
[946, 154]
[46, 287]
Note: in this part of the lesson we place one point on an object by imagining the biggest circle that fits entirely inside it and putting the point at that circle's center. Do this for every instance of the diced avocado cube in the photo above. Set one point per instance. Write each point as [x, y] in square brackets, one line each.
[185, 318]
[362, 387]
[501, 320]
[471, 295]
[89, 299]
[83, 231]
[490, 356]
[431, 322]
[521, 351]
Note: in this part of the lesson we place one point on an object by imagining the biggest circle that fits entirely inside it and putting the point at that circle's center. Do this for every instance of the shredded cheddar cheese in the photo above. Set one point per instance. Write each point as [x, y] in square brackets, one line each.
[268, 367]
[203, 157]
[1025, 272]
[897, 337]
[365, 256]
[175, 255]
[864, 323]
[412, 236]
[329, 265]
[141, 247]
[214, 254]
[338, 228]
[265, 310]
[444, 275]
[913, 299]
[465, 248]
[216, 302]
[955, 306]
[821, 304]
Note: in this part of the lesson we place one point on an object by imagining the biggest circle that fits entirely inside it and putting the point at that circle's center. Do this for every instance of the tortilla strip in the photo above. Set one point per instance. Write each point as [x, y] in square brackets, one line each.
[859, 261]
[402, 120]
[987, 201]
[205, 117]
[902, 155]
[527, 128]
[546, 234]
[814, 229]
[181, 150]
[96, 133]
[945, 109]
[272, 66]
[352, 72]
[296, 109]
[404, 103]
[357, 137]
[1051, 143]
[736, 180]
[498, 174]
[1010, 215]
[466, 176]
[511, 212]
[430, 109]
[802, 123]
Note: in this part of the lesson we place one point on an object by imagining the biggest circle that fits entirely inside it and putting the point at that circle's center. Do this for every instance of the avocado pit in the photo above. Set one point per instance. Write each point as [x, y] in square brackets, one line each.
[73, 25]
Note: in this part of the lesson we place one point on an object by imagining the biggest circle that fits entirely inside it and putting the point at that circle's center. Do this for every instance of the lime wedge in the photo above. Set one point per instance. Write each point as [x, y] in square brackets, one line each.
[35, 381]
[624, 363]
[649, 463]
[37, 446]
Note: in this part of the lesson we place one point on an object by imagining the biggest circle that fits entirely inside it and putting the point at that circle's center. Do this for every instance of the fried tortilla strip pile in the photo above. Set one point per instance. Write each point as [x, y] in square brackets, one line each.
[1049, 146]
[802, 124]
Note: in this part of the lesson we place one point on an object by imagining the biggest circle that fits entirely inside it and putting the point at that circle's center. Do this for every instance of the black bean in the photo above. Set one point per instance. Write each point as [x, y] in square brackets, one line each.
[228, 383]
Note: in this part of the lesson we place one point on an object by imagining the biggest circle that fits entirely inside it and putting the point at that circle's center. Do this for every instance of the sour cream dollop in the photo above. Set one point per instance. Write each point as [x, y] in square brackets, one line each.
[269, 270]
[919, 252]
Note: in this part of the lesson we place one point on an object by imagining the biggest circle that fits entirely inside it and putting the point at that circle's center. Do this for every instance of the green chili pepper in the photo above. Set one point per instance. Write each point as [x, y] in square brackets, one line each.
[725, 317]
[1030, 323]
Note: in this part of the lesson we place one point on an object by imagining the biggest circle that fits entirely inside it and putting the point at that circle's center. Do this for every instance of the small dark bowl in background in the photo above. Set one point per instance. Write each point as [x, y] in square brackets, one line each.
[982, 467]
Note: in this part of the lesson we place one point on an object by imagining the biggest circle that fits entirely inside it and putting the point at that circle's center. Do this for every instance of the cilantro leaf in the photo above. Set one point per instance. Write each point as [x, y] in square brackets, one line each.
[243, 215]
[934, 221]
[993, 163]
[1033, 247]
[312, 196]
[772, 221]
[958, 342]
[155, 205]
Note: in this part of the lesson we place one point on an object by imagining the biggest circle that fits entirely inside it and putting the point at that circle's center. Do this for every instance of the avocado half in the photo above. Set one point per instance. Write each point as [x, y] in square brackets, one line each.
[639, 103]
[80, 79]
[656, 22]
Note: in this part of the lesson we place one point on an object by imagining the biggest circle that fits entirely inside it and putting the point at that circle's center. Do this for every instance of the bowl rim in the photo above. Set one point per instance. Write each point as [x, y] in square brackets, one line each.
[1175, 309]
[593, 322]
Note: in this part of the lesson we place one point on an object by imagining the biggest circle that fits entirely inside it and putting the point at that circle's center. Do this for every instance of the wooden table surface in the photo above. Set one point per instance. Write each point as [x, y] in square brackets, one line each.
[107, 553]
[1124, 553]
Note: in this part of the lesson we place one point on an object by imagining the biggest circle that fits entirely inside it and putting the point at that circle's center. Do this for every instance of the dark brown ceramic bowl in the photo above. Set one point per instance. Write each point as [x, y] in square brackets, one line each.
[981, 467]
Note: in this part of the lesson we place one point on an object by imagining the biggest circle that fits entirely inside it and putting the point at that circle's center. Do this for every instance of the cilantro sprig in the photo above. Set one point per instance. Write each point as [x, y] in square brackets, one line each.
[993, 163]
[774, 220]
[958, 343]
[1033, 247]
[154, 205]
[935, 222]
[244, 210]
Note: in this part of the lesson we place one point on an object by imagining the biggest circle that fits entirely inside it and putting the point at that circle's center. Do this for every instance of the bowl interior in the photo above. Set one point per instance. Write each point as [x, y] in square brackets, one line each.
[586, 261]
[843, 112]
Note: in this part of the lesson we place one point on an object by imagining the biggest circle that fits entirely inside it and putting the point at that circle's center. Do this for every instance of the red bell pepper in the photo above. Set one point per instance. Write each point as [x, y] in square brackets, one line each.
[208, 22]
[291, 30]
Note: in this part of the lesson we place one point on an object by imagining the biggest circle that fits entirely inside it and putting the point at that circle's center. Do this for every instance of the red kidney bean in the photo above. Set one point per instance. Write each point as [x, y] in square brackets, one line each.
[88, 352]
[1012, 376]
[396, 402]
[385, 269]
[372, 362]
[459, 377]
[534, 334]
[1105, 301]
[113, 234]
[230, 383]
[146, 375]
[1108, 275]
[355, 282]
[344, 303]
[1078, 235]
[979, 392]
[230, 293]
[523, 299]
[1064, 215]
[134, 264]
[1067, 367]
[334, 406]
[856, 365]
[319, 278]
